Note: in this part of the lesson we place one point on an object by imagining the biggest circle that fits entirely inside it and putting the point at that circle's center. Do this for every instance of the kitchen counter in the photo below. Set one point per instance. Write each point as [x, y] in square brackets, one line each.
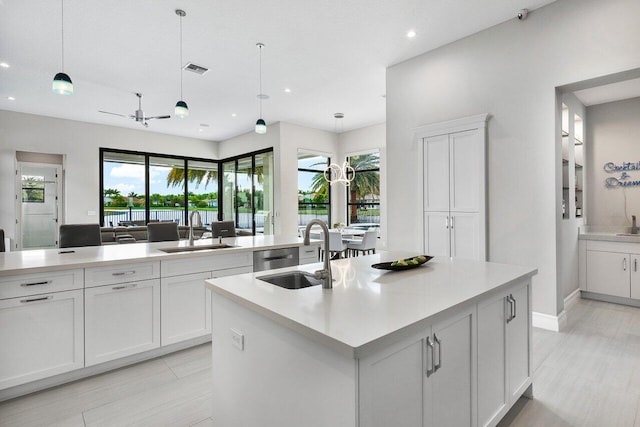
[32, 261]
[360, 354]
[609, 236]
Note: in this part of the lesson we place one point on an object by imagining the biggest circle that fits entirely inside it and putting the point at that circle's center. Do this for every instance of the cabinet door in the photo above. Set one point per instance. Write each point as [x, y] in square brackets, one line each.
[635, 276]
[121, 320]
[452, 384]
[436, 173]
[518, 343]
[185, 307]
[41, 336]
[493, 399]
[608, 273]
[391, 387]
[466, 174]
[436, 234]
[464, 229]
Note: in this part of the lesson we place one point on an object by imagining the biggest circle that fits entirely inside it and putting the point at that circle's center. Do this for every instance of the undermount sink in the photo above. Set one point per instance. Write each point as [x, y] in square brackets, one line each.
[196, 248]
[292, 280]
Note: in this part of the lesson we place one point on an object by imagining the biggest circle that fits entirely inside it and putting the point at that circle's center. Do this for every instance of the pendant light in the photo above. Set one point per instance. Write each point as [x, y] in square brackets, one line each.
[182, 110]
[335, 173]
[261, 126]
[62, 83]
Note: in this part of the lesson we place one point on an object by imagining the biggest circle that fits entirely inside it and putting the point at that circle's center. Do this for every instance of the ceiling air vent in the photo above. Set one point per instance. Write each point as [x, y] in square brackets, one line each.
[195, 68]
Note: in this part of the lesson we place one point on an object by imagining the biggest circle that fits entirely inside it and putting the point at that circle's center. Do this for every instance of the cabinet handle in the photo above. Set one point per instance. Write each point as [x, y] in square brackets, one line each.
[635, 264]
[275, 258]
[123, 273]
[439, 364]
[452, 218]
[46, 282]
[509, 309]
[36, 299]
[515, 307]
[430, 369]
[132, 285]
[446, 222]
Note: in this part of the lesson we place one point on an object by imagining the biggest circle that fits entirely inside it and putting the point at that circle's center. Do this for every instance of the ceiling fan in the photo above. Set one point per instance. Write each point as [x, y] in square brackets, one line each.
[139, 116]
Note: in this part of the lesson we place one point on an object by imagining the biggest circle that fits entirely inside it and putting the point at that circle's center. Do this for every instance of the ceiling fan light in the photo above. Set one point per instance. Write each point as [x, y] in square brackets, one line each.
[261, 127]
[62, 84]
[182, 111]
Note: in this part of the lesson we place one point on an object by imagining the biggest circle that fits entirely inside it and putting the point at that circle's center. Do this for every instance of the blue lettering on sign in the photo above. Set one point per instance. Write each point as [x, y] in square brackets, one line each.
[623, 169]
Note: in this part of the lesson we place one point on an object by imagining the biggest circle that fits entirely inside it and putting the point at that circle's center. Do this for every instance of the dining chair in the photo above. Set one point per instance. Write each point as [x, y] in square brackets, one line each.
[162, 231]
[336, 246]
[366, 245]
[223, 229]
[79, 235]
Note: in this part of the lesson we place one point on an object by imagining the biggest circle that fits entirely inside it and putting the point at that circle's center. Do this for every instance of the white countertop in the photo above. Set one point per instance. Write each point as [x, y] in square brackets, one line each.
[31, 261]
[366, 305]
[609, 237]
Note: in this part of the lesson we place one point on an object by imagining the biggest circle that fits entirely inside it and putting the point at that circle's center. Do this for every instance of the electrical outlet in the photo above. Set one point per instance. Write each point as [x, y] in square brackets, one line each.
[238, 339]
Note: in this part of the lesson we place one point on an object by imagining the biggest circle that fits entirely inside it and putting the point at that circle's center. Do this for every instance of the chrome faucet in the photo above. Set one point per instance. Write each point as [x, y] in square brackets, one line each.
[325, 273]
[191, 225]
[634, 227]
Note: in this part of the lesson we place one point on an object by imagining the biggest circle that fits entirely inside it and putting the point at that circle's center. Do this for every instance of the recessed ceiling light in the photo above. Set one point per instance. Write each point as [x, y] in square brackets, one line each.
[200, 130]
[4, 65]
[11, 98]
[287, 90]
[234, 115]
[411, 34]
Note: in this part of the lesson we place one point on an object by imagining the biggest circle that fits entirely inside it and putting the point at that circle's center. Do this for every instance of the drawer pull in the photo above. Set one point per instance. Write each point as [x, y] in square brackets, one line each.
[46, 282]
[132, 285]
[124, 273]
[36, 299]
[275, 258]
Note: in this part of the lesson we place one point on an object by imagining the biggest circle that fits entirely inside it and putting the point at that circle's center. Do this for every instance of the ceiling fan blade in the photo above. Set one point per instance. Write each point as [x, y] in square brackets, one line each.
[157, 117]
[115, 114]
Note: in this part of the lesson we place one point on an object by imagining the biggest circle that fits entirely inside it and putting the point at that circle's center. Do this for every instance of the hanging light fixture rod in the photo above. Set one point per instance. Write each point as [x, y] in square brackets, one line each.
[62, 83]
[181, 110]
[261, 125]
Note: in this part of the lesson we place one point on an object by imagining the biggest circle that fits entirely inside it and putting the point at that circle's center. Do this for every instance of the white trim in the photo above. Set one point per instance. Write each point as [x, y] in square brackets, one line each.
[457, 125]
[549, 322]
[571, 299]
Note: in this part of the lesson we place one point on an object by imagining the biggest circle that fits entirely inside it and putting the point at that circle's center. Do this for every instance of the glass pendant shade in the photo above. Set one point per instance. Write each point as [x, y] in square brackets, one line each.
[182, 110]
[261, 127]
[62, 84]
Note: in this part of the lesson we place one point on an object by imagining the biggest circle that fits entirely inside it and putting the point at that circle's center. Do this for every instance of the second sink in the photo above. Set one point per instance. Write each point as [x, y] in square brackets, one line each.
[292, 280]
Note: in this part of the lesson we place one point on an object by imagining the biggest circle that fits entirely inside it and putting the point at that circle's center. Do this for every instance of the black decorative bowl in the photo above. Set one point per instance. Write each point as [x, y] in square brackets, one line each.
[388, 266]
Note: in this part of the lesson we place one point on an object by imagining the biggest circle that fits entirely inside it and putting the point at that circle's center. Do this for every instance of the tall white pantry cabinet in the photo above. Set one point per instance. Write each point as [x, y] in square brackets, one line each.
[454, 181]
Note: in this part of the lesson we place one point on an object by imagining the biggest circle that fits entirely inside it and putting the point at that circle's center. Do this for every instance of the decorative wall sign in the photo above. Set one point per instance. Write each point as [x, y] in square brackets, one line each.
[624, 180]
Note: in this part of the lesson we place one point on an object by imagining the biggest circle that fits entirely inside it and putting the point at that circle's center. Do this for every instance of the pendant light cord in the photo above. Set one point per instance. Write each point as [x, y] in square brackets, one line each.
[181, 57]
[260, 95]
[62, 1]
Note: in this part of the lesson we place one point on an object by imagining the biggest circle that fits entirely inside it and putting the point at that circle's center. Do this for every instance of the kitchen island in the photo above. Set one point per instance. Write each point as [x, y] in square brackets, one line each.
[69, 313]
[446, 343]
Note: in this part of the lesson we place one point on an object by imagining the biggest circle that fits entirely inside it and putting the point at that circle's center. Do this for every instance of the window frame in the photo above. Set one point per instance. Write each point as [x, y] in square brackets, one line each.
[348, 202]
[329, 198]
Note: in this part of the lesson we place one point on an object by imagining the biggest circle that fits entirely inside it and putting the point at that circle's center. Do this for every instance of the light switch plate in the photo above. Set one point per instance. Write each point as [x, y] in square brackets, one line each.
[238, 339]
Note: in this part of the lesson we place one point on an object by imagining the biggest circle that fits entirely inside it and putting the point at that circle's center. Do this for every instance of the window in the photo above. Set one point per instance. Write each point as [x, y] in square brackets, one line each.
[176, 186]
[32, 189]
[363, 195]
[314, 197]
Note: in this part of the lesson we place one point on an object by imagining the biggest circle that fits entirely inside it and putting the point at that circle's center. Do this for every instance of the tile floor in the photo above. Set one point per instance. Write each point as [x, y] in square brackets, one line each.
[587, 375]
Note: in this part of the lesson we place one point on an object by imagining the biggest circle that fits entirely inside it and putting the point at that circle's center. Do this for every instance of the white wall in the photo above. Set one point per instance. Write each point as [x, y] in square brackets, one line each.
[613, 130]
[510, 71]
[79, 143]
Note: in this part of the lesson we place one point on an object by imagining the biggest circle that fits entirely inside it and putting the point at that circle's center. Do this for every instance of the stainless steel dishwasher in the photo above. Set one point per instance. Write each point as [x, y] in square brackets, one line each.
[275, 258]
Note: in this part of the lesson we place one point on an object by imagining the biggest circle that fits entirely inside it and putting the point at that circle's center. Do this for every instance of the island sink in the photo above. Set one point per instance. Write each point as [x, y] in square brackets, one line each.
[292, 280]
[196, 248]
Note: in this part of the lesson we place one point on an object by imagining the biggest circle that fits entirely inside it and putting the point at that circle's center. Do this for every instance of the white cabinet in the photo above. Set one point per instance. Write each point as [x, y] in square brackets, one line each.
[121, 320]
[420, 380]
[610, 268]
[308, 254]
[41, 326]
[41, 336]
[454, 193]
[504, 352]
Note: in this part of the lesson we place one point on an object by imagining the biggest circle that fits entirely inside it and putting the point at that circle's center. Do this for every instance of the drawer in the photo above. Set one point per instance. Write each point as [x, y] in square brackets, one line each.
[308, 254]
[202, 263]
[40, 283]
[123, 273]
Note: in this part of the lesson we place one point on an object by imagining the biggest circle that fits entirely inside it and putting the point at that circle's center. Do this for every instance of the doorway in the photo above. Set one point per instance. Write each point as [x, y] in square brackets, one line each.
[38, 197]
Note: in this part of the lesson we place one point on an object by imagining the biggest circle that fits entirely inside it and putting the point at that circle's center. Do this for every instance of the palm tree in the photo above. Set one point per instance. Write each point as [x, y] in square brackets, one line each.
[366, 180]
[176, 176]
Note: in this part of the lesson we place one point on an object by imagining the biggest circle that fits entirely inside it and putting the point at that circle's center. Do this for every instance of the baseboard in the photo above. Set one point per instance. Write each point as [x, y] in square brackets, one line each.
[571, 299]
[549, 322]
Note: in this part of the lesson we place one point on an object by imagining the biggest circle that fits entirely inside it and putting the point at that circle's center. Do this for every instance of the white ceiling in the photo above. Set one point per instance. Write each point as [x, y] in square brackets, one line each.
[608, 93]
[332, 54]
